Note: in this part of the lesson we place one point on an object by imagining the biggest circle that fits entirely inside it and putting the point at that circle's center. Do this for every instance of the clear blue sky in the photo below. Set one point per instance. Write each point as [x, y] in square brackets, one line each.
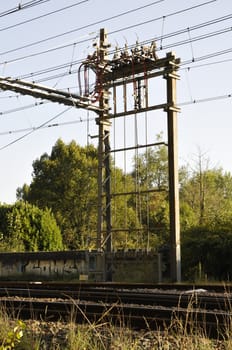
[26, 48]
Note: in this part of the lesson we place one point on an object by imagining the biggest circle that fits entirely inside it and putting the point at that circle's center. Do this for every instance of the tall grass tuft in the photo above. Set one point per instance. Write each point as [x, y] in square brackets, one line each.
[182, 333]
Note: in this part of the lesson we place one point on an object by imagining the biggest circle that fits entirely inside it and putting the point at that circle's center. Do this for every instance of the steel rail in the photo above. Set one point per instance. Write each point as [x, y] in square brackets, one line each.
[134, 316]
[154, 297]
[58, 285]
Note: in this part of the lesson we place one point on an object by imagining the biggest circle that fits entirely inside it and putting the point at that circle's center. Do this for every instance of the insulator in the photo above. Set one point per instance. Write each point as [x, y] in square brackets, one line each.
[126, 52]
[117, 53]
[145, 51]
[137, 49]
[125, 55]
[153, 50]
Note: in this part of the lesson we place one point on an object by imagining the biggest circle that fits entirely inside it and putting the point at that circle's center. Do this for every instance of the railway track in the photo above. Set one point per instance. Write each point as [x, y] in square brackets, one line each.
[196, 298]
[135, 316]
[137, 306]
[214, 287]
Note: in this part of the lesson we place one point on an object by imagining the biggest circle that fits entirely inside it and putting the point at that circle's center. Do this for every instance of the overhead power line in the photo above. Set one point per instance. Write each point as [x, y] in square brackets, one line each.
[34, 129]
[206, 99]
[195, 66]
[43, 52]
[188, 29]
[108, 19]
[42, 16]
[207, 56]
[19, 109]
[168, 35]
[82, 120]
[198, 38]
[177, 43]
[75, 71]
[20, 7]
[161, 17]
[72, 122]
[74, 63]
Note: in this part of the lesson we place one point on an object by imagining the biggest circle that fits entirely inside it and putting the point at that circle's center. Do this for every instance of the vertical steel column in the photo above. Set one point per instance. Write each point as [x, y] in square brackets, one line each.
[175, 258]
[104, 209]
[108, 238]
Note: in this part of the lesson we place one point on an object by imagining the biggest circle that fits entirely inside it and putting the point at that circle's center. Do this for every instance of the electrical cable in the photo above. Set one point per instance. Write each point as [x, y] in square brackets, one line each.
[42, 52]
[165, 16]
[19, 109]
[42, 16]
[4, 133]
[161, 17]
[200, 58]
[34, 129]
[183, 63]
[9, 96]
[178, 43]
[80, 28]
[110, 33]
[215, 54]
[183, 31]
[20, 7]
[169, 35]
[43, 126]
[206, 99]
[212, 55]
[50, 69]
[197, 38]
[206, 64]
[208, 56]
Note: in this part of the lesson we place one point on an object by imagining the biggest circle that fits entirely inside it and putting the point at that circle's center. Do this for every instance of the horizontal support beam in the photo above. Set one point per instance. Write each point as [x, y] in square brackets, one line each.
[140, 110]
[142, 192]
[138, 146]
[47, 93]
[140, 65]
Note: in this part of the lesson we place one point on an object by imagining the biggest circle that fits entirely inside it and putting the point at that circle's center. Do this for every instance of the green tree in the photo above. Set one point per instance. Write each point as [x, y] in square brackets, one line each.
[150, 175]
[151, 167]
[206, 224]
[25, 227]
[202, 251]
[124, 218]
[208, 197]
[66, 182]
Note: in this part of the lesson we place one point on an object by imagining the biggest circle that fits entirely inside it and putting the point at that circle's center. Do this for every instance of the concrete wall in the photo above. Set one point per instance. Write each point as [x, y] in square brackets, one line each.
[131, 266]
[134, 266]
[70, 265]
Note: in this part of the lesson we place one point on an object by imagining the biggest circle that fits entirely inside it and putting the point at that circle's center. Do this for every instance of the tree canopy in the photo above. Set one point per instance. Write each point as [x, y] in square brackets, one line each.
[25, 227]
[66, 182]
[202, 250]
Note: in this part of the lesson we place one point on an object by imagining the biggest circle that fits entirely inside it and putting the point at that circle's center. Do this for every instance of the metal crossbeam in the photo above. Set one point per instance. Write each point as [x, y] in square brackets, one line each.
[47, 93]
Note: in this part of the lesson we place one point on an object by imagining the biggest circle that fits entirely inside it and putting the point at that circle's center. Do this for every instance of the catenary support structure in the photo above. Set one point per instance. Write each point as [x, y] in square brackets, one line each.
[135, 67]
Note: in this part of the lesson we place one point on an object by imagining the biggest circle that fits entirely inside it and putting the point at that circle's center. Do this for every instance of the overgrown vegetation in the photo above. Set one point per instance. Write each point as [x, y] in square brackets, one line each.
[25, 227]
[10, 338]
[59, 208]
[41, 335]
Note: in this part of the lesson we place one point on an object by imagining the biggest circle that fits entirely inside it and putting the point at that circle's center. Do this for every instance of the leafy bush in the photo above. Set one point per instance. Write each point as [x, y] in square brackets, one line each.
[25, 227]
[13, 337]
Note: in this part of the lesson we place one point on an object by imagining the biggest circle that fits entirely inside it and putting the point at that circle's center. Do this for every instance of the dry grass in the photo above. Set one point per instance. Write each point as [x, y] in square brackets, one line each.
[181, 334]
